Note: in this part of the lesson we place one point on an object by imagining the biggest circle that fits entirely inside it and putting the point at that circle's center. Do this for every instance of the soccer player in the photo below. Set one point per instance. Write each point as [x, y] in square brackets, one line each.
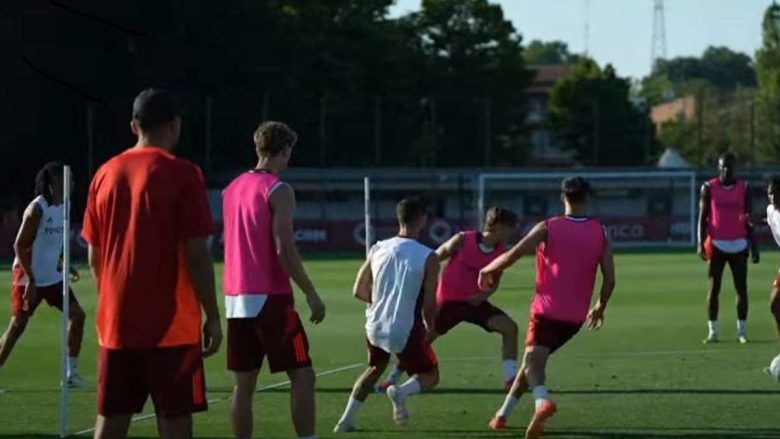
[726, 237]
[37, 272]
[146, 222]
[398, 281]
[569, 251]
[458, 296]
[773, 219]
[260, 259]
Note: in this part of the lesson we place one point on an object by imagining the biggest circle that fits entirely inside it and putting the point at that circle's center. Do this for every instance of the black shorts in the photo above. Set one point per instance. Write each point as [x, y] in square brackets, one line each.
[451, 314]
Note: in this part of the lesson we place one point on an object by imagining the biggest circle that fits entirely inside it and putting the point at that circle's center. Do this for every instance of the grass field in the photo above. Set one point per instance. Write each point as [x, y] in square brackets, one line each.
[646, 374]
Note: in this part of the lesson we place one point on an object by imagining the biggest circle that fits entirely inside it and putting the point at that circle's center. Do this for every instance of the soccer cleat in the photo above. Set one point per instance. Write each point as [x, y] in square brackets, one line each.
[498, 423]
[75, 381]
[400, 414]
[344, 427]
[541, 415]
[742, 339]
[711, 338]
[381, 388]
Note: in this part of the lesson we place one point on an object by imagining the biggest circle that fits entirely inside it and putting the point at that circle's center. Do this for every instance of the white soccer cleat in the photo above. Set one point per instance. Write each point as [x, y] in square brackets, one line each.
[711, 338]
[76, 382]
[400, 414]
[344, 427]
[742, 339]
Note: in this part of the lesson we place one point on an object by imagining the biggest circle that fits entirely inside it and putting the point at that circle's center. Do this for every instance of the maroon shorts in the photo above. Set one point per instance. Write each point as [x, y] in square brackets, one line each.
[52, 294]
[172, 376]
[417, 356]
[548, 333]
[277, 332]
[452, 314]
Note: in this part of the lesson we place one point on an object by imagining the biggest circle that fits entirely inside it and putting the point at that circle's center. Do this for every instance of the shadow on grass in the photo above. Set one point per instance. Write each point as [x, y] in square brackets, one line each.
[681, 433]
[493, 391]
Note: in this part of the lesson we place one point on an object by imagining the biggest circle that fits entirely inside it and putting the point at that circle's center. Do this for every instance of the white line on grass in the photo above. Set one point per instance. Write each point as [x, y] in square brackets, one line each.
[259, 389]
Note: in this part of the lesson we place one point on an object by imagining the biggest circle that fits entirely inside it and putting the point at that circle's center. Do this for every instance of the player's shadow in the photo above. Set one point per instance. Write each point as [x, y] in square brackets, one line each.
[681, 433]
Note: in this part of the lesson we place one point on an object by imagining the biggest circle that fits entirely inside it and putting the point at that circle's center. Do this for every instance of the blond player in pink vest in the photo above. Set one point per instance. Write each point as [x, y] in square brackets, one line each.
[260, 259]
[458, 296]
[569, 251]
[726, 237]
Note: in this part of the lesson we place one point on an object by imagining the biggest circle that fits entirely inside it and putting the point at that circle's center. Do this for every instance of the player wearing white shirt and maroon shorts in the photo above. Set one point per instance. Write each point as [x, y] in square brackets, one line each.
[773, 219]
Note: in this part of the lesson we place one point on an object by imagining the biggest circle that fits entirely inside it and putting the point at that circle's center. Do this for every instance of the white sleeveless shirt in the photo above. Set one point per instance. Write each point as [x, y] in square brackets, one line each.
[47, 247]
[398, 268]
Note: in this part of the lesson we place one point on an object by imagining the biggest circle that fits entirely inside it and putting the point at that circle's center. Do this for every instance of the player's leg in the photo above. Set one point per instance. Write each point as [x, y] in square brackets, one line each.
[302, 401]
[739, 271]
[501, 323]
[76, 320]
[245, 355]
[122, 390]
[241, 404]
[536, 359]
[419, 360]
[715, 266]
[112, 427]
[12, 334]
[377, 363]
[175, 427]
[774, 306]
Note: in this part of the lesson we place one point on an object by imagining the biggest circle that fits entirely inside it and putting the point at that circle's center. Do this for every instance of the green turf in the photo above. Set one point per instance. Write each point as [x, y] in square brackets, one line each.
[646, 373]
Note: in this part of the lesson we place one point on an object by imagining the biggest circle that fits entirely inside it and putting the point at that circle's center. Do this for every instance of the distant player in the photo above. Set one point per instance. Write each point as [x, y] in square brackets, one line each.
[726, 237]
[37, 272]
[147, 223]
[458, 296]
[398, 281]
[260, 259]
[773, 219]
[569, 251]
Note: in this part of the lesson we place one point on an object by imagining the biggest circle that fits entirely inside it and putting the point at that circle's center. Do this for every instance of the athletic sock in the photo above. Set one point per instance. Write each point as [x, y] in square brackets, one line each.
[509, 404]
[394, 374]
[410, 387]
[714, 327]
[314, 436]
[73, 365]
[510, 370]
[353, 405]
[742, 328]
[541, 394]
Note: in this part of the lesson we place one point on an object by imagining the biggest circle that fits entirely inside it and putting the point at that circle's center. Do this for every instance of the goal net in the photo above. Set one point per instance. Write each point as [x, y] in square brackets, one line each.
[653, 208]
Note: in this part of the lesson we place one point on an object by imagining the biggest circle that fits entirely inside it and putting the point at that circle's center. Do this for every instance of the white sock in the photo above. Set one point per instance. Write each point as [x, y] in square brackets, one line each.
[394, 374]
[714, 327]
[742, 327]
[410, 387]
[509, 404]
[351, 411]
[314, 436]
[73, 365]
[541, 394]
[510, 370]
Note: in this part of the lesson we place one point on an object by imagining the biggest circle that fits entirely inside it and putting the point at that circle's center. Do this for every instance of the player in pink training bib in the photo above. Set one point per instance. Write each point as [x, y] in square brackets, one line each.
[726, 237]
[458, 296]
[569, 251]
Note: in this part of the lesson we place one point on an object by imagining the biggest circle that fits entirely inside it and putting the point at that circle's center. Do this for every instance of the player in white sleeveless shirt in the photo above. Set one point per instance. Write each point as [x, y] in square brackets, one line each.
[773, 219]
[37, 268]
[398, 281]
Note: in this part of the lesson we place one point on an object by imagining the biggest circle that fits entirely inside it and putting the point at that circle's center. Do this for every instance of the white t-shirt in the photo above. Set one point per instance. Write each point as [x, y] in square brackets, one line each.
[773, 219]
[398, 269]
[47, 247]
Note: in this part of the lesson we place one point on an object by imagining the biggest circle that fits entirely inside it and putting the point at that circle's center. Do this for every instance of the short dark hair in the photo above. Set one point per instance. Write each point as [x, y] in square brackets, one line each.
[155, 107]
[728, 157]
[498, 215]
[775, 181]
[44, 178]
[576, 189]
[271, 138]
[410, 210]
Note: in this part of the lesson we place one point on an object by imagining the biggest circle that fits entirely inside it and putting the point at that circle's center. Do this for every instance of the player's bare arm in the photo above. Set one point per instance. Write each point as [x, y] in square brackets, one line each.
[283, 206]
[23, 247]
[449, 248]
[201, 270]
[704, 217]
[754, 253]
[488, 276]
[430, 282]
[607, 265]
[94, 263]
[364, 283]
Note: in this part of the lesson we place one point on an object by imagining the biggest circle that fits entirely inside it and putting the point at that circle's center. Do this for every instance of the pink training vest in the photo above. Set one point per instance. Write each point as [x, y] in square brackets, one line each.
[252, 265]
[459, 279]
[566, 265]
[728, 220]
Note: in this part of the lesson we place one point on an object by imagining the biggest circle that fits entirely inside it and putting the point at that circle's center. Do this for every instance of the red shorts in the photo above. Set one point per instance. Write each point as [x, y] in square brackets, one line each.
[172, 376]
[552, 334]
[52, 294]
[277, 332]
[417, 356]
[452, 314]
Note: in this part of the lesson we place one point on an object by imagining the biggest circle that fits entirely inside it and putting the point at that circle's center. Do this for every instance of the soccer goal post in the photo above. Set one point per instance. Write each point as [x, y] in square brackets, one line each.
[638, 209]
[64, 354]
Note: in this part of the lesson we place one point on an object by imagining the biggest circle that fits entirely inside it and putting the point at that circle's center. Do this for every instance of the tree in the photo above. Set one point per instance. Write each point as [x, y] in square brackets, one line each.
[591, 111]
[768, 72]
[548, 52]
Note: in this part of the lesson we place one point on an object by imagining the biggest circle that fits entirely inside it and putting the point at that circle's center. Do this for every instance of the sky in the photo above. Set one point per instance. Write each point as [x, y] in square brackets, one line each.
[621, 30]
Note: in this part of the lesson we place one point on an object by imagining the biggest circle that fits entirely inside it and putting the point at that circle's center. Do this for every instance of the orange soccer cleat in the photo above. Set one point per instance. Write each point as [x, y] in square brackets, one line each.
[498, 423]
[541, 415]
